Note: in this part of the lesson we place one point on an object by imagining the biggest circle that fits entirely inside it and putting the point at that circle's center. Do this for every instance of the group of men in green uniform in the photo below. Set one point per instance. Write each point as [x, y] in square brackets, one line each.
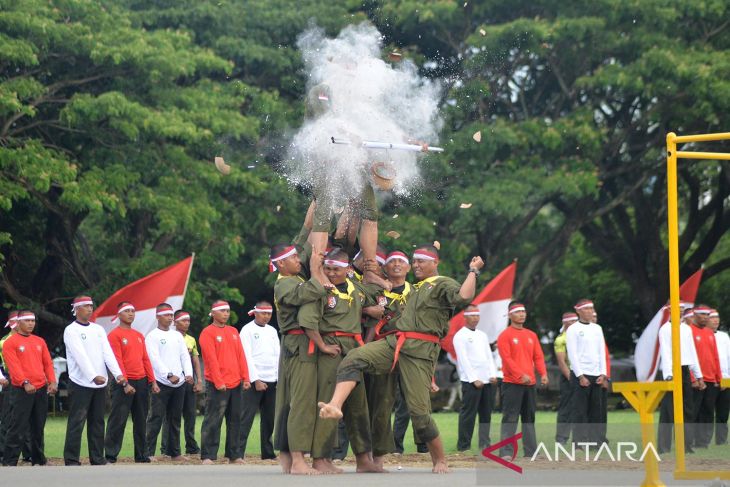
[331, 368]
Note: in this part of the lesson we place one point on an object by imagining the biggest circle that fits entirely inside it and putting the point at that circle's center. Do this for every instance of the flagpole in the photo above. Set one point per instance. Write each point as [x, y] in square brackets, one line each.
[187, 281]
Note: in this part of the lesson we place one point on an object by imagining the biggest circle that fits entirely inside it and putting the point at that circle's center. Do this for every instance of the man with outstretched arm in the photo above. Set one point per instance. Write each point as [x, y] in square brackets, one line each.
[414, 349]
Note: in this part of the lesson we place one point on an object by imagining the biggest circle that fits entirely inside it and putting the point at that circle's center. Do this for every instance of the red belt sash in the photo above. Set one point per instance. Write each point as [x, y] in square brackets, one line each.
[356, 336]
[310, 349]
[411, 335]
[379, 326]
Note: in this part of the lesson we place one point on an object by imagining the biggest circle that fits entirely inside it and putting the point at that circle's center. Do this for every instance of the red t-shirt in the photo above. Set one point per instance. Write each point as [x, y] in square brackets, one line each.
[707, 354]
[131, 353]
[521, 354]
[27, 358]
[223, 358]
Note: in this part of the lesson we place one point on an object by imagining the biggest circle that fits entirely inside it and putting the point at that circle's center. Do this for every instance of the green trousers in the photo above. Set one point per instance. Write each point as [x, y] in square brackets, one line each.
[415, 380]
[296, 396]
[355, 409]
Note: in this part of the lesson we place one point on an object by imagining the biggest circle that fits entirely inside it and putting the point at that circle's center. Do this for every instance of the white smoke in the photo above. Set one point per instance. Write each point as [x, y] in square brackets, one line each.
[368, 99]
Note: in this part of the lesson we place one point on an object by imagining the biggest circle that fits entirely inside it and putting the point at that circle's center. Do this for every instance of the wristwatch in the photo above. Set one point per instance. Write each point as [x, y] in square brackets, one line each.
[475, 271]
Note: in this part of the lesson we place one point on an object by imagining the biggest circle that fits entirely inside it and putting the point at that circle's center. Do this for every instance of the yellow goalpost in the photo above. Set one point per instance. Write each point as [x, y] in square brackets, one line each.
[646, 396]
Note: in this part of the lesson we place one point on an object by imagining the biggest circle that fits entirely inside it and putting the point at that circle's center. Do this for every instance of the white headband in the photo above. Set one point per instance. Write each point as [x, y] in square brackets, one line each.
[256, 309]
[221, 307]
[585, 305]
[27, 316]
[418, 255]
[397, 257]
[471, 313]
[165, 312]
[380, 260]
[336, 263]
[125, 308]
[285, 255]
[183, 316]
[516, 309]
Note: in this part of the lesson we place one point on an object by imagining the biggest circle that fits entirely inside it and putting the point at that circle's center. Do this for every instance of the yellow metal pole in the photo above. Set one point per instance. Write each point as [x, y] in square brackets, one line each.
[720, 156]
[681, 139]
[673, 244]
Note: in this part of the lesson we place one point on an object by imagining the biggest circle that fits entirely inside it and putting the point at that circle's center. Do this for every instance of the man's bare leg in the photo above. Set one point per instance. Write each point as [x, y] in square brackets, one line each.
[436, 449]
[299, 465]
[369, 246]
[319, 245]
[365, 464]
[285, 461]
[333, 409]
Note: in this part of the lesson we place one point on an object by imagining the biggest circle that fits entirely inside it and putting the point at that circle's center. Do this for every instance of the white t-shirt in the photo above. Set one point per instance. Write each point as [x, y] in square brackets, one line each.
[473, 356]
[586, 349]
[687, 347]
[261, 347]
[722, 339]
[88, 354]
[168, 355]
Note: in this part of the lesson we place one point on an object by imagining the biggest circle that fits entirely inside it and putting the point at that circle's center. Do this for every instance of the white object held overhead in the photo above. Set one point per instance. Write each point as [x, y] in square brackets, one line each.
[369, 144]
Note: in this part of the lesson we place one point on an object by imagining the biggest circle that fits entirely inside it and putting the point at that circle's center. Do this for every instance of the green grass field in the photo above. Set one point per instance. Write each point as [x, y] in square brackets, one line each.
[623, 426]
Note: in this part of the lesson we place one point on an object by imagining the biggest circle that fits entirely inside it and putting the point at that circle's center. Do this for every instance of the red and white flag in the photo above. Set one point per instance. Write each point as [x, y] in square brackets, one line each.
[646, 353]
[164, 286]
[492, 302]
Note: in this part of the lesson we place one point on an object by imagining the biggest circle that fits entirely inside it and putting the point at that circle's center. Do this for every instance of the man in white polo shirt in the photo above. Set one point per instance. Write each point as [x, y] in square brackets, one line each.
[477, 373]
[722, 404]
[587, 354]
[261, 347]
[691, 378]
[89, 355]
[173, 368]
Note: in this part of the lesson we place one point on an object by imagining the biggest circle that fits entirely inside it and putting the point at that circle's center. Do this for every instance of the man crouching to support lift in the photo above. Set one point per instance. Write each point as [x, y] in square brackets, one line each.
[414, 348]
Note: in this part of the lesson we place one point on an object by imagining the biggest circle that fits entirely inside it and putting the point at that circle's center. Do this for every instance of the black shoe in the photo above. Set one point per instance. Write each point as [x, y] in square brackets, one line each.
[111, 459]
[71, 463]
[421, 448]
[193, 452]
[269, 457]
[103, 462]
[142, 460]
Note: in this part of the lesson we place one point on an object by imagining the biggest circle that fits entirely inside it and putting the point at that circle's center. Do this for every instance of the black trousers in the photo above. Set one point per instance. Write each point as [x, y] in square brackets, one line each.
[587, 410]
[666, 415]
[475, 401]
[167, 404]
[122, 405]
[263, 402]
[6, 413]
[518, 402]
[564, 425]
[86, 408]
[400, 425]
[704, 413]
[722, 411]
[189, 416]
[28, 420]
[217, 405]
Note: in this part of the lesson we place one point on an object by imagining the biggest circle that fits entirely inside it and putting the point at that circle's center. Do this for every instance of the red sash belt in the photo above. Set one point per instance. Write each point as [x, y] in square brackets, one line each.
[310, 349]
[379, 326]
[356, 336]
[411, 335]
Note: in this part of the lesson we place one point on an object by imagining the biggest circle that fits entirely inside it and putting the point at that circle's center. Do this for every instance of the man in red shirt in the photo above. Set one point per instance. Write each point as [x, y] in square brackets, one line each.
[225, 368]
[519, 349]
[33, 378]
[129, 349]
[705, 399]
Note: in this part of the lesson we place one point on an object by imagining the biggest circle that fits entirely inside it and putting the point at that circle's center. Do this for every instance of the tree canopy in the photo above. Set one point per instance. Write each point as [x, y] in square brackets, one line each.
[111, 113]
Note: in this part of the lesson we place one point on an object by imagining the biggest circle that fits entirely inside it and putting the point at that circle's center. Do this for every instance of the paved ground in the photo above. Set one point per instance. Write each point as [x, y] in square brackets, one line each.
[270, 476]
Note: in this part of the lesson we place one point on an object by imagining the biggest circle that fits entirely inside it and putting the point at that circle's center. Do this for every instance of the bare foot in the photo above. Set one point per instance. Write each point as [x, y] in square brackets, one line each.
[207, 461]
[370, 467]
[332, 466]
[327, 411]
[440, 467]
[237, 461]
[304, 469]
[154, 459]
[180, 458]
[379, 461]
[285, 462]
[324, 466]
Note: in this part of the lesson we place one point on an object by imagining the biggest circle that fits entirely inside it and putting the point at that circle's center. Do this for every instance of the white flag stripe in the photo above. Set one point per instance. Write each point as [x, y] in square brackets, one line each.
[493, 319]
[646, 348]
[145, 320]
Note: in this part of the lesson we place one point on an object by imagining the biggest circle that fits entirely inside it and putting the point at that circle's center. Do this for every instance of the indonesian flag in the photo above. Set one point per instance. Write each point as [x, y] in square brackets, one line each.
[492, 302]
[165, 286]
[646, 354]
